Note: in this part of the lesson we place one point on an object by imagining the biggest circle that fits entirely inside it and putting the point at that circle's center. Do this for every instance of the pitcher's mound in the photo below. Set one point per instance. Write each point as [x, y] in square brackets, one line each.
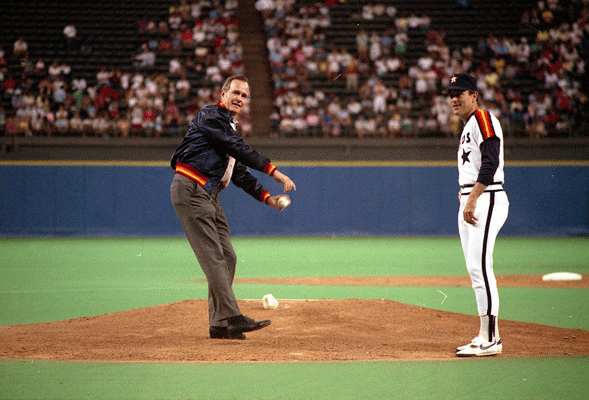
[312, 330]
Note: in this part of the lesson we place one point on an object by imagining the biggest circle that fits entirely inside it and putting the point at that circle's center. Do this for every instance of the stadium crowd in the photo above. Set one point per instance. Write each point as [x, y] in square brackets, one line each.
[536, 84]
[201, 41]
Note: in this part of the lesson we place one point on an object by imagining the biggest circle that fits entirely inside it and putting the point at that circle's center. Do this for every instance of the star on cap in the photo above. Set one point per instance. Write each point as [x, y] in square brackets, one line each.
[453, 79]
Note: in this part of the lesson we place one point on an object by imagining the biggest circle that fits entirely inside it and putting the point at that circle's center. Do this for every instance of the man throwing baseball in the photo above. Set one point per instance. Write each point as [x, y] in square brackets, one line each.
[483, 206]
[211, 154]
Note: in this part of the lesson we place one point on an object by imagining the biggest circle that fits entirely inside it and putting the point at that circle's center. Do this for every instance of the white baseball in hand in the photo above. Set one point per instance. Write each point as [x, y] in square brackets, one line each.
[283, 202]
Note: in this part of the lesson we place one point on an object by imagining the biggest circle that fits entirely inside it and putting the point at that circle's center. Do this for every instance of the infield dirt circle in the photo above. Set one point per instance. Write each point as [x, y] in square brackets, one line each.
[301, 330]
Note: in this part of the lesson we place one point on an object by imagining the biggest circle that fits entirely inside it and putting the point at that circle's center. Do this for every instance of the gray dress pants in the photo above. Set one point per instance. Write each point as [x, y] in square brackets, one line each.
[205, 226]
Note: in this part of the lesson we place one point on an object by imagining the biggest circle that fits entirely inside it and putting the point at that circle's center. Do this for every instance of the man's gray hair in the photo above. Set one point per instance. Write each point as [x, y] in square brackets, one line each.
[227, 83]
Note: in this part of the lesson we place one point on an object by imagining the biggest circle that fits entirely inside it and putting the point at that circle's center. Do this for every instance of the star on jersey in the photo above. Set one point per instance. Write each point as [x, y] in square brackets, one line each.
[465, 156]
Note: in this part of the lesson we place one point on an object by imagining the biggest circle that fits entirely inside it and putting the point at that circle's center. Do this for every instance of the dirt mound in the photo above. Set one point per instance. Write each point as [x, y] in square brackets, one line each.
[322, 330]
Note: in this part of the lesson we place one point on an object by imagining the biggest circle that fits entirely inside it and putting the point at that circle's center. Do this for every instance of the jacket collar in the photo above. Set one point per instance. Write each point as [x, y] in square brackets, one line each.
[233, 120]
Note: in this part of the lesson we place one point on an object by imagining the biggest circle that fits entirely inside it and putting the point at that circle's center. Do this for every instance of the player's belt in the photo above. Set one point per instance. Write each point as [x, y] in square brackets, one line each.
[493, 187]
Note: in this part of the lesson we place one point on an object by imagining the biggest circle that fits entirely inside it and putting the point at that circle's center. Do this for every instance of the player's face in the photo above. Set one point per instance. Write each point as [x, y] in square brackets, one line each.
[463, 103]
[236, 97]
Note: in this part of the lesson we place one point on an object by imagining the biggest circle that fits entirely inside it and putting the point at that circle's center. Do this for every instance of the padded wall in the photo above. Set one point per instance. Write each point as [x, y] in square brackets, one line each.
[129, 200]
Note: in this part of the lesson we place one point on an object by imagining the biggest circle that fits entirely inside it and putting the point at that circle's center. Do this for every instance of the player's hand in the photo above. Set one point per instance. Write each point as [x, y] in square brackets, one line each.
[471, 203]
[273, 201]
[285, 180]
[468, 212]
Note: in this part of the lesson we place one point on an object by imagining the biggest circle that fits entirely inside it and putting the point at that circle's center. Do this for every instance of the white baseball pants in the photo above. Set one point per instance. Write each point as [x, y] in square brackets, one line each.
[478, 242]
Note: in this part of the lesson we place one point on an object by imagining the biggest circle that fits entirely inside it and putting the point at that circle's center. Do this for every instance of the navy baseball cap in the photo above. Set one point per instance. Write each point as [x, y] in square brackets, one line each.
[461, 82]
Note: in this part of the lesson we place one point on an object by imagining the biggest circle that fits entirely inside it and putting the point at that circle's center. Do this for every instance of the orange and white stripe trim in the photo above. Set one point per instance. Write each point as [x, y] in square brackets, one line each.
[269, 169]
[191, 173]
[264, 196]
[485, 124]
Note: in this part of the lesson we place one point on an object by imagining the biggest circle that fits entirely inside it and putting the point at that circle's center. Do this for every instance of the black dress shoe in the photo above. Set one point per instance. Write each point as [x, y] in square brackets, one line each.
[241, 324]
[217, 332]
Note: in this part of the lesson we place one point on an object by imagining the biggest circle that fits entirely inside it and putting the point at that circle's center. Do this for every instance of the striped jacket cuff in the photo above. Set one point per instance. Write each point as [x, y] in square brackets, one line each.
[269, 169]
[264, 196]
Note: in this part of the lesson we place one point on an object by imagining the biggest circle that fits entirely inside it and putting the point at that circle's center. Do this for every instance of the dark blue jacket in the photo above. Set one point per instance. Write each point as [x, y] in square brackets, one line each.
[206, 148]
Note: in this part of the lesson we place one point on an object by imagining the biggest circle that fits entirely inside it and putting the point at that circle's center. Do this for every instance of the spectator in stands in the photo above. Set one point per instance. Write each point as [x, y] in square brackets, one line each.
[48, 127]
[122, 125]
[351, 74]
[191, 109]
[421, 86]
[145, 59]
[71, 37]
[183, 87]
[375, 48]
[10, 85]
[185, 10]
[151, 26]
[76, 124]
[141, 23]
[172, 113]
[2, 120]
[20, 47]
[62, 120]
[186, 37]
[65, 70]
[265, 7]
[60, 95]
[401, 39]
[136, 121]
[286, 126]
[54, 70]
[380, 93]
[101, 126]
[3, 72]
[175, 66]
[334, 69]
[224, 62]
[149, 120]
[11, 129]
[44, 87]
[102, 77]
[362, 44]
[176, 40]
[213, 72]
[27, 65]
[39, 70]
[85, 44]
[162, 27]
[368, 12]
[407, 125]
[174, 20]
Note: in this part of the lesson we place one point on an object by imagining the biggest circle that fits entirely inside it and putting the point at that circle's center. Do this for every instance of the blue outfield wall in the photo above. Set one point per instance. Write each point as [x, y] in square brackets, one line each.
[379, 200]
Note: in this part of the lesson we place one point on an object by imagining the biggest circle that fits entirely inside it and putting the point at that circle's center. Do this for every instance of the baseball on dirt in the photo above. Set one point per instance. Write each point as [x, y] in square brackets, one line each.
[270, 302]
[283, 202]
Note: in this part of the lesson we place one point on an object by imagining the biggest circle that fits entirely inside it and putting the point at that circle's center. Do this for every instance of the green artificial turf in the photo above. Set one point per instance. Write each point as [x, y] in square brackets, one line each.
[57, 278]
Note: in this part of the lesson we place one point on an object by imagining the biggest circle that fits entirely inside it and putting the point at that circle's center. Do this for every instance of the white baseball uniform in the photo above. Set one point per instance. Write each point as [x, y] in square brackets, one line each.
[492, 206]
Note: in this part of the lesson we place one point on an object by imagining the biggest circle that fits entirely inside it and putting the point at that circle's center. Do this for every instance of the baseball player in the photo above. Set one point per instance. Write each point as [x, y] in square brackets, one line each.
[211, 154]
[483, 206]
